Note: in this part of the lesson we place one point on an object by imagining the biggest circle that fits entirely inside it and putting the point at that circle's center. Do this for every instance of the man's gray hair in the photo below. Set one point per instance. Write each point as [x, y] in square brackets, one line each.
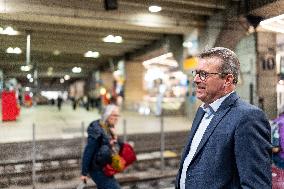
[107, 112]
[230, 61]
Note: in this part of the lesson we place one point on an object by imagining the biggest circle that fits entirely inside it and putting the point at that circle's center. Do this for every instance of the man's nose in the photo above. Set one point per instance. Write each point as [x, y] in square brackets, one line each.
[196, 79]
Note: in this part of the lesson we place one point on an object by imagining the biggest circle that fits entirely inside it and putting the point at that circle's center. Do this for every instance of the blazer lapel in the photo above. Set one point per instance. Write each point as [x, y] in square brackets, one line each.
[221, 112]
[199, 115]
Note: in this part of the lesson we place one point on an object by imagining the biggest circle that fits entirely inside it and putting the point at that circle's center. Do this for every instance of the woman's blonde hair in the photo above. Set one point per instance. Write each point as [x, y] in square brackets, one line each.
[107, 112]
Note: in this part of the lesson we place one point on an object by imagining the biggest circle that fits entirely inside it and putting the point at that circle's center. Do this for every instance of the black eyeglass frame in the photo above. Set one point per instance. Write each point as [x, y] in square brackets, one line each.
[203, 75]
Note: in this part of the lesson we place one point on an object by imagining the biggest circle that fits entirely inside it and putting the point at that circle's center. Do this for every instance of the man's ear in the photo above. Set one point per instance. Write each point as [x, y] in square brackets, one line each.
[229, 79]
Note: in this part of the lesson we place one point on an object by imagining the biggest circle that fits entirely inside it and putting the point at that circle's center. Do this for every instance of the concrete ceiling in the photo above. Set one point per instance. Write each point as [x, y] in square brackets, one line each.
[73, 27]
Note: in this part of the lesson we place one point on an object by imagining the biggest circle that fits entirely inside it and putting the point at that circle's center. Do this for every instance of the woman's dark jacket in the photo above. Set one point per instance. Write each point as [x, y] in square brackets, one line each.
[97, 151]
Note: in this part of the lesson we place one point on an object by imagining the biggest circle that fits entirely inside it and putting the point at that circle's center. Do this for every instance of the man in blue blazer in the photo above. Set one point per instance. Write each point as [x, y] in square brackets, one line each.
[229, 143]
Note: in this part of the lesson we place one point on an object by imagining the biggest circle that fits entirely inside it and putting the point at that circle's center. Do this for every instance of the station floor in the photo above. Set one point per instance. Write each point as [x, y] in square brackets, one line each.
[50, 123]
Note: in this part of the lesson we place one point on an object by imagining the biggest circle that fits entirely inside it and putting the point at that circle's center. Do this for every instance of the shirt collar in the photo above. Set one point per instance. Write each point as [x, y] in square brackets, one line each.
[213, 107]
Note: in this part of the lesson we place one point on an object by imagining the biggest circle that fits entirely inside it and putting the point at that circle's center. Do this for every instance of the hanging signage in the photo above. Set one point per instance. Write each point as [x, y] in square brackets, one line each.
[190, 63]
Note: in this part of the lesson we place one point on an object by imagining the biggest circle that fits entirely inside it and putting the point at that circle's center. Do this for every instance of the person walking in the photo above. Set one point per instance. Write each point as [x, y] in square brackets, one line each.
[59, 102]
[102, 139]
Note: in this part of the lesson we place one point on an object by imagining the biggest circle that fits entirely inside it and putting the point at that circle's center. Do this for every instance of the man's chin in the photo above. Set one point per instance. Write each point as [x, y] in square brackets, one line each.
[200, 97]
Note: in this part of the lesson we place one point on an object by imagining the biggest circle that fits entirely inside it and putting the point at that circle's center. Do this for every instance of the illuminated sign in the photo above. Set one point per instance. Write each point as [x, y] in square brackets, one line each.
[190, 63]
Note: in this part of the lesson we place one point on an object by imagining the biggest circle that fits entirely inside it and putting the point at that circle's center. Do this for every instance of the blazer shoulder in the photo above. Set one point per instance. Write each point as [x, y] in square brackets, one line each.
[241, 104]
[248, 110]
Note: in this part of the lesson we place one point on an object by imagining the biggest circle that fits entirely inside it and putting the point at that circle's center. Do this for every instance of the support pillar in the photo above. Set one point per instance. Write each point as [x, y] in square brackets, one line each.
[266, 73]
[134, 91]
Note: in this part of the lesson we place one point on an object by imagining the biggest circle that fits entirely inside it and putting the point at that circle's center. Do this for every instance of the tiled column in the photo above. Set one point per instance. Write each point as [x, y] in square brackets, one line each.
[266, 73]
[134, 84]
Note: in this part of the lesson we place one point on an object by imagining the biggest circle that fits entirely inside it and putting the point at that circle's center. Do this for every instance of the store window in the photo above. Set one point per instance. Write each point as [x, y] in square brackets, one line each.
[165, 86]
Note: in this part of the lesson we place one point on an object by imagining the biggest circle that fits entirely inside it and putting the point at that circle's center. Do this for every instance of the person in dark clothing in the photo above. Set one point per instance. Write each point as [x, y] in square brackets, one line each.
[101, 140]
[74, 103]
[52, 101]
[59, 102]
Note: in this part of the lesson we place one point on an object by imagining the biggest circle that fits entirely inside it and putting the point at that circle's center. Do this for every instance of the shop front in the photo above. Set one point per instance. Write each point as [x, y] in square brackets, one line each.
[165, 87]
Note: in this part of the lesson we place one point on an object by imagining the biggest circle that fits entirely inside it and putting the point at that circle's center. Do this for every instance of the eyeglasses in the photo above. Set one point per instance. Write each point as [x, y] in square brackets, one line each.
[115, 115]
[203, 75]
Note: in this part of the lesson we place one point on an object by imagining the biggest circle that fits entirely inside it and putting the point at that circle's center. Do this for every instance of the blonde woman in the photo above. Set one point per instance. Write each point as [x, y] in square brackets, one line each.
[101, 140]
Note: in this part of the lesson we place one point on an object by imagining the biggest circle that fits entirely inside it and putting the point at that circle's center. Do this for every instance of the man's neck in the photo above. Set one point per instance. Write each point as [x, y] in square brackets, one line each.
[218, 97]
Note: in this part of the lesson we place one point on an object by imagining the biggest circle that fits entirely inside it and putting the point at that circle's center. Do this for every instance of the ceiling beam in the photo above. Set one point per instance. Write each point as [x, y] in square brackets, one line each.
[66, 43]
[197, 3]
[153, 24]
[40, 29]
[178, 8]
[8, 74]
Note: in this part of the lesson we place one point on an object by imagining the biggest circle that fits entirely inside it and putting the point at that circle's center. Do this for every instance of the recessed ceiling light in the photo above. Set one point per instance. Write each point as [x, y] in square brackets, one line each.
[61, 80]
[91, 54]
[66, 77]
[113, 39]
[56, 52]
[8, 31]
[155, 8]
[26, 68]
[16, 50]
[10, 50]
[76, 70]
[49, 71]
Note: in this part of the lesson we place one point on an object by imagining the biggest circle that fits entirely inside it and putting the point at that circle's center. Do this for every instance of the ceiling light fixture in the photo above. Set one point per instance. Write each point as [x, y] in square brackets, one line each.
[16, 50]
[49, 71]
[61, 80]
[56, 52]
[8, 31]
[76, 70]
[91, 54]
[66, 77]
[155, 8]
[187, 44]
[26, 68]
[113, 39]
